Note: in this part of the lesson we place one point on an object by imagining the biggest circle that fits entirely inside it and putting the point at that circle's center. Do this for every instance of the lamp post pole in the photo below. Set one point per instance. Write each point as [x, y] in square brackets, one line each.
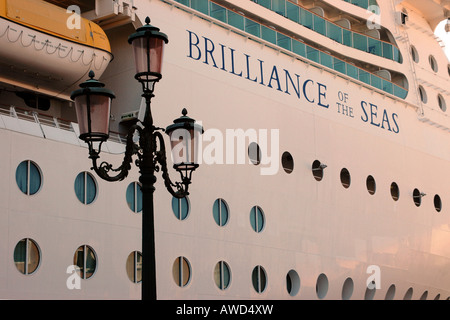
[92, 104]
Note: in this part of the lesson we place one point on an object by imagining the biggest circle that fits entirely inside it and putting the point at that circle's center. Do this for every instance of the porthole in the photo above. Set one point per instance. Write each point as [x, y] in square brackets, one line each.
[424, 295]
[134, 197]
[441, 102]
[28, 177]
[254, 153]
[414, 54]
[437, 203]
[433, 63]
[370, 291]
[257, 219]
[180, 207]
[259, 279]
[322, 286]
[317, 170]
[287, 162]
[27, 256]
[371, 185]
[181, 271]
[134, 267]
[85, 187]
[292, 283]
[395, 191]
[86, 261]
[347, 289]
[345, 178]
[438, 297]
[408, 294]
[222, 275]
[417, 197]
[220, 212]
[423, 95]
[390, 294]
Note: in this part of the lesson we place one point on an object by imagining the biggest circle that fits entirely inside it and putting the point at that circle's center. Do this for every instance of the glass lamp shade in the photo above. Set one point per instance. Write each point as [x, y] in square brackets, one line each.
[148, 47]
[93, 105]
[184, 141]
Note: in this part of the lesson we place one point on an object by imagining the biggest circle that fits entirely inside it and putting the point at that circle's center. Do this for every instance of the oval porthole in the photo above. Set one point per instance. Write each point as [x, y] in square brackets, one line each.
[347, 289]
[423, 95]
[395, 191]
[414, 54]
[254, 153]
[371, 185]
[322, 286]
[317, 170]
[417, 197]
[433, 63]
[437, 203]
[441, 102]
[287, 162]
[292, 283]
[345, 178]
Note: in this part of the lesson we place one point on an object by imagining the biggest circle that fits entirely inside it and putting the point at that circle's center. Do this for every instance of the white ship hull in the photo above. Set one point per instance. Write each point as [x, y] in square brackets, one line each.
[318, 234]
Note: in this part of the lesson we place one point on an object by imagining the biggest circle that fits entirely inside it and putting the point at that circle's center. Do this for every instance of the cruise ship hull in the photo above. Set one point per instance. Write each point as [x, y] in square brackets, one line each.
[326, 238]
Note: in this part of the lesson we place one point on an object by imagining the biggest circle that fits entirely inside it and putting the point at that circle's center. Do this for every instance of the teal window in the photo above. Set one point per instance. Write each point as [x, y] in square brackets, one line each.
[306, 18]
[376, 81]
[292, 12]
[86, 261]
[352, 71]
[279, 6]
[185, 2]
[268, 34]
[85, 187]
[252, 27]
[359, 41]
[334, 32]
[388, 86]
[236, 20]
[218, 12]
[180, 207]
[259, 279]
[28, 177]
[200, 5]
[220, 212]
[299, 48]
[312, 54]
[326, 60]
[364, 76]
[134, 197]
[257, 219]
[222, 275]
[265, 3]
[374, 46]
[283, 41]
[339, 65]
[319, 25]
[387, 50]
[347, 38]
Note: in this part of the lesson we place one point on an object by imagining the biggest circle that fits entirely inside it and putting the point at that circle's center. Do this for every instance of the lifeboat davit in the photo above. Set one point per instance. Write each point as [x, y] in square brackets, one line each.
[46, 49]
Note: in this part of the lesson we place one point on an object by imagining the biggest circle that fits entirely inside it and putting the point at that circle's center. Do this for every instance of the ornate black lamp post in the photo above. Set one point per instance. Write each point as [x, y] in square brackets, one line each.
[93, 102]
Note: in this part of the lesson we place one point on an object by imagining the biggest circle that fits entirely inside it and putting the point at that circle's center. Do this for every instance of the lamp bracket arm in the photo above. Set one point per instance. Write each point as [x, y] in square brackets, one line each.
[181, 187]
[103, 170]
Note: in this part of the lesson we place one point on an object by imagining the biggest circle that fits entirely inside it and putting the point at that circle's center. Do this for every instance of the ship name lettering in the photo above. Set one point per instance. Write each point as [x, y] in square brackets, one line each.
[244, 66]
[380, 118]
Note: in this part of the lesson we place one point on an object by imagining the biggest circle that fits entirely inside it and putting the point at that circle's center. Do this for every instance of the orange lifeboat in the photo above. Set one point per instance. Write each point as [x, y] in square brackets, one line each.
[41, 49]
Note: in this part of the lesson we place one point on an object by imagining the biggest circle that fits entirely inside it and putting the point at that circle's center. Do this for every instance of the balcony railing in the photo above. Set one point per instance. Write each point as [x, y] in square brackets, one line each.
[258, 30]
[332, 30]
[365, 4]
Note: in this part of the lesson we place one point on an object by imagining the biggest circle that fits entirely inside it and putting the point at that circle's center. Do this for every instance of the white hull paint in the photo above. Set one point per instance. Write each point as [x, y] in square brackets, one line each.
[311, 227]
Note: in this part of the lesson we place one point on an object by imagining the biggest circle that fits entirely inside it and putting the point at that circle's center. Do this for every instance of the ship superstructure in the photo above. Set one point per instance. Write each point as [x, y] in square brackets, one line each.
[345, 103]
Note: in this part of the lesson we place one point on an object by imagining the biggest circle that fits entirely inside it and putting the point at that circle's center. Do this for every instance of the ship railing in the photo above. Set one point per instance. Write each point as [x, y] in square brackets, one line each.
[237, 22]
[50, 121]
[363, 3]
[329, 29]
